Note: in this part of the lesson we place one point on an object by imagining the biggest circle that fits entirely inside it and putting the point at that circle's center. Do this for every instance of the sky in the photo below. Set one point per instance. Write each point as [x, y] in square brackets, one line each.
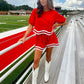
[65, 4]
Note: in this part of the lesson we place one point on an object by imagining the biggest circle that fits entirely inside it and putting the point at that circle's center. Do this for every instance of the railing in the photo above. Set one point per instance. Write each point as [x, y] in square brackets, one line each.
[15, 66]
[81, 21]
[26, 70]
[14, 45]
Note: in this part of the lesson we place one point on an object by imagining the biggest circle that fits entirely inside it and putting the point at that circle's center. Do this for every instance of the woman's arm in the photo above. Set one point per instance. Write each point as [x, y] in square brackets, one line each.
[29, 29]
[31, 24]
[59, 24]
[23, 39]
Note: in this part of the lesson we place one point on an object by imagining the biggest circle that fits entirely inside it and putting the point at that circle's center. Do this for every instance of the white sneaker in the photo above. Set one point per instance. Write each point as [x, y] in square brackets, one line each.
[47, 67]
[34, 75]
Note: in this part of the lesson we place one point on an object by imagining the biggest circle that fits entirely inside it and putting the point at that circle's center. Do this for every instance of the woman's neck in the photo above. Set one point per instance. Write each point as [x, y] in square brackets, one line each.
[45, 8]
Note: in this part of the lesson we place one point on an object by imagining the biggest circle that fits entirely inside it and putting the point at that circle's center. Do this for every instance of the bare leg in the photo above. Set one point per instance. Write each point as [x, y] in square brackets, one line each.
[35, 68]
[37, 57]
[48, 54]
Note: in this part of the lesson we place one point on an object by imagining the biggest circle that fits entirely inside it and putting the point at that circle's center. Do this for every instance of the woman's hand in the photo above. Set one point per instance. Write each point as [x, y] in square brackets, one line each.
[58, 24]
[22, 39]
[55, 25]
[29, 29]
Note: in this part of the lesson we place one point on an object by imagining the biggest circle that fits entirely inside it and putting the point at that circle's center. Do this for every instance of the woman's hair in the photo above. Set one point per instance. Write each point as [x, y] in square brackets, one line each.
[40, 7]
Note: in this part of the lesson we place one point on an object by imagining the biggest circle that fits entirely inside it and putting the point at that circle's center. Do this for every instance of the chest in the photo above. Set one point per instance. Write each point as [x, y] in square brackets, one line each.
[46, 18]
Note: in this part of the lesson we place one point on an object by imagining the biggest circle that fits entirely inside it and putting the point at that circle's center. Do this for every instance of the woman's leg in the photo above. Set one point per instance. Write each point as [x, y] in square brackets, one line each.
[47, 63]
[48, 54]
[37, 57]
[35, 68]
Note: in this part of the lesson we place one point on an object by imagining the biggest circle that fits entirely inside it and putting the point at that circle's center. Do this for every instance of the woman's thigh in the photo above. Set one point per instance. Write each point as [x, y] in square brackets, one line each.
[49, 52]
[37, 55]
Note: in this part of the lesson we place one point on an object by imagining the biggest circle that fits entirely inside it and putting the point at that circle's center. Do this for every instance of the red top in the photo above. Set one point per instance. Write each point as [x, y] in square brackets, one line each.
[43, 24]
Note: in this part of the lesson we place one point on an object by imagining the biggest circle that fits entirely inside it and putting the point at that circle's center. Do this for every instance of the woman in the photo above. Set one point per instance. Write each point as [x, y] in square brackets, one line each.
[43, 18]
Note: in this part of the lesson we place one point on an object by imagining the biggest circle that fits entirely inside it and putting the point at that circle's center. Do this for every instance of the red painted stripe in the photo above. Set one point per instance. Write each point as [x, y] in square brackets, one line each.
[10, 40]
[13, 54]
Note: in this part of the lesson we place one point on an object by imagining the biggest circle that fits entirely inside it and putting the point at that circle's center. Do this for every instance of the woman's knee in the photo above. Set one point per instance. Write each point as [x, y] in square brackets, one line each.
[36, 60]
[48, 55]
[49, 51]
[37, 57]
[48, 59]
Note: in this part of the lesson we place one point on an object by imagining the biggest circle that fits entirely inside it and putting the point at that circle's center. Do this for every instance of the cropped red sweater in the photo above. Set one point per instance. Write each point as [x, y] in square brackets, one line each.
[43, 24]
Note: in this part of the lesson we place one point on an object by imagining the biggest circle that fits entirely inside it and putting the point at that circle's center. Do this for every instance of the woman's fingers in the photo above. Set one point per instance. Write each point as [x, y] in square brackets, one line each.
[21, 40]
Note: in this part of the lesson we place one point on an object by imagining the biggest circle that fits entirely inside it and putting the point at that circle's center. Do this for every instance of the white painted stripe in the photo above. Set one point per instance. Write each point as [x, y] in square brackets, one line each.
[12, 32]
[27, 78]
[14, 45]
[18, 82]
[15, 66]
[16, 59]
[11, 38]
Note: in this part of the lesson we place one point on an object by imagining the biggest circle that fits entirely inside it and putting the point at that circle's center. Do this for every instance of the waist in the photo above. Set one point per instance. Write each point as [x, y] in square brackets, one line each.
[42, 32]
